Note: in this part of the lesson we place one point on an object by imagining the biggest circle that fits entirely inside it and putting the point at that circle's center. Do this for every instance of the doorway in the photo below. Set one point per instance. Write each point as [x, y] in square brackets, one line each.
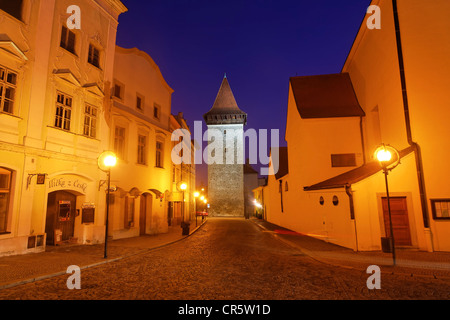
[400, 220]
[60, 219]
[145, 212]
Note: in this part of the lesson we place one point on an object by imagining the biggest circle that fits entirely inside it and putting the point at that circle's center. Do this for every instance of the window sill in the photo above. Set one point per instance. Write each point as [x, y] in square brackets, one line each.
[142, 164]
[4, 232]
[159, 167]
[70, 52]
[94, 66]
[10, 114]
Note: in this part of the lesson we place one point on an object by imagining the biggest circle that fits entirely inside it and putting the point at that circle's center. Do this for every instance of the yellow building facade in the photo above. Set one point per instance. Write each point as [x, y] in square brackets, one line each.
[391, 90]
[139, 134]
[67, 95]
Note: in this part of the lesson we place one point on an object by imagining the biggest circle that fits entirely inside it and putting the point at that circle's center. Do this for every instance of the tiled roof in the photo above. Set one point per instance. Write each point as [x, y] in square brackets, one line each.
[325, 96]
[225, 109]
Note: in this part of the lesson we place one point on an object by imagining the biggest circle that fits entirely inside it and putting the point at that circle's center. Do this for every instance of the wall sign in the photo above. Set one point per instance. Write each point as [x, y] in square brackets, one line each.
[69, 182]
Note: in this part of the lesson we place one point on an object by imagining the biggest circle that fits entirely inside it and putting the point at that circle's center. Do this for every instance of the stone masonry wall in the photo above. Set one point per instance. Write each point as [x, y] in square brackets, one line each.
[226, 181]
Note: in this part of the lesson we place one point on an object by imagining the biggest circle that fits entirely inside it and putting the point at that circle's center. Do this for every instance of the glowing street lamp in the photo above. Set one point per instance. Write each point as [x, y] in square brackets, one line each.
[105, 162]
[182, 186]
[389, 158]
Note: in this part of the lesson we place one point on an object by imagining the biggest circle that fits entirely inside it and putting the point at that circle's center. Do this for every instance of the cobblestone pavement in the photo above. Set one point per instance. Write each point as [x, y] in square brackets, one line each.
[227, 259]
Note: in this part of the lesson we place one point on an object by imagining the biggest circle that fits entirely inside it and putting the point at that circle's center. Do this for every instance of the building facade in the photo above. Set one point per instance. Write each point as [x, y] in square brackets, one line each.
[225, 123]
[181, 202]
[54, 83]
[392, 90]
[140, 136]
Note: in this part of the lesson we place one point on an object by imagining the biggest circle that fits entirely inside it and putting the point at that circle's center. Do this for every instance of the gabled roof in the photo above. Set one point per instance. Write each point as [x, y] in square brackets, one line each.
[325, 96]
[353, 176]
[283, 167]
[225, 109]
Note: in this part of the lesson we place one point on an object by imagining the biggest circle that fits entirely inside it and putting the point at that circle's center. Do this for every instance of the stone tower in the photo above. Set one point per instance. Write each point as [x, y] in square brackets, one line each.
[226, 121]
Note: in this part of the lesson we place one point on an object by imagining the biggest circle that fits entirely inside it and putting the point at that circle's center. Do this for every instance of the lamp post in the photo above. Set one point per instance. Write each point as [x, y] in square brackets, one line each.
[388, 158]
[196, 195]
[105, 162]
[182, 186]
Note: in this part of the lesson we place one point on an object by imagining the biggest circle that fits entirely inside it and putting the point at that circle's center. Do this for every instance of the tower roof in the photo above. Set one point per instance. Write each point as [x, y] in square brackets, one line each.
[225, 109]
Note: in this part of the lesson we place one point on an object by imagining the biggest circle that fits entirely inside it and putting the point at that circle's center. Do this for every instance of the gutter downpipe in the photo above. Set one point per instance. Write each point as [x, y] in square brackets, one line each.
[349, 192]
[414, 145]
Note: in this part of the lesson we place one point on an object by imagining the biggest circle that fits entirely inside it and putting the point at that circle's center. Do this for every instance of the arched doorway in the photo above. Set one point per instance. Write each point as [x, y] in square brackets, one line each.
[60, 219]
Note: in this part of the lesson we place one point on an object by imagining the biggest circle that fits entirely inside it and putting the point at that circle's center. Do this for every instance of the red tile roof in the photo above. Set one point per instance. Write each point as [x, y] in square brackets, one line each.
[325, 96]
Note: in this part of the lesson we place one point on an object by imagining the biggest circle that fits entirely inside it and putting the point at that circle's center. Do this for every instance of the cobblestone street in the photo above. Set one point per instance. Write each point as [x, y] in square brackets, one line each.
[229, 259]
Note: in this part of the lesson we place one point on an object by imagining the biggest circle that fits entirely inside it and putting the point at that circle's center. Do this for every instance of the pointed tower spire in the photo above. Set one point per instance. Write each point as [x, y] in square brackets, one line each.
[225, 109]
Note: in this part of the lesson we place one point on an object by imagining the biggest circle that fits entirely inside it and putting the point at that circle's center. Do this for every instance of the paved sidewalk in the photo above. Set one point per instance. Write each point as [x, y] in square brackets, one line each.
[411, 262]
[20, 269]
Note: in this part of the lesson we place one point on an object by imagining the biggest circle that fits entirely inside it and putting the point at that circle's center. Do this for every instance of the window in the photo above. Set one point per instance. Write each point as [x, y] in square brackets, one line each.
[5, 194]
[156, 111]
[94, 56]
[68, 39]
[90, 121]
[159, 154]
[142, 149]
[343, 160]
[63, 111]
[335, 200]
[139, 102]
[119, 142]
[286, 186]
[14, 8]
[440, 208]
[118, 91]
[8, 81]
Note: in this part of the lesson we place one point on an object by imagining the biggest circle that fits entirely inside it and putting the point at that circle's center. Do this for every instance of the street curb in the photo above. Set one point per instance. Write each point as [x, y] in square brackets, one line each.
[326, 261]
[60, 273]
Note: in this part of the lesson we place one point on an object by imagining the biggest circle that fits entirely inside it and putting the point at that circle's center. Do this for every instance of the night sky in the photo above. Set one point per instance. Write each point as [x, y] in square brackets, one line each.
[258, 44]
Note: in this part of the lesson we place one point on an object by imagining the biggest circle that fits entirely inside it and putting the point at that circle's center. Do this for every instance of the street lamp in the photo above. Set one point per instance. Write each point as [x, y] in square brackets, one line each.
[196, 195]
[105, 162]
[389, 158]
[182, 186]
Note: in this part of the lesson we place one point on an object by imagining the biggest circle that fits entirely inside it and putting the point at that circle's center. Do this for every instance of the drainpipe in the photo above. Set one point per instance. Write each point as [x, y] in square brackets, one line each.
[362, 139]
[349, 192]
[416, 147]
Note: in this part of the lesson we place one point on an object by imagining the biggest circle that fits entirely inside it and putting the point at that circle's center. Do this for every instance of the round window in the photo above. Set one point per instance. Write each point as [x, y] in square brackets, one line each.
[335, 200]
[321, 201]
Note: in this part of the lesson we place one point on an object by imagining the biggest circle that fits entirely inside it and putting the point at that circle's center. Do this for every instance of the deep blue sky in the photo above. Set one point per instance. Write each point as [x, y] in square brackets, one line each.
[258, 44]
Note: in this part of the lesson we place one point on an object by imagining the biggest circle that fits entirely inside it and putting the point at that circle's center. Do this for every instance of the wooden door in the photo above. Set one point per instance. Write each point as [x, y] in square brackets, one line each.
[400, 221]
[143, 214]
[61, 212]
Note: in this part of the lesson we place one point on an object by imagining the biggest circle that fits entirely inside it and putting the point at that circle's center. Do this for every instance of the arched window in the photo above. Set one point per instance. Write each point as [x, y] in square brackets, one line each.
[5, 196]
